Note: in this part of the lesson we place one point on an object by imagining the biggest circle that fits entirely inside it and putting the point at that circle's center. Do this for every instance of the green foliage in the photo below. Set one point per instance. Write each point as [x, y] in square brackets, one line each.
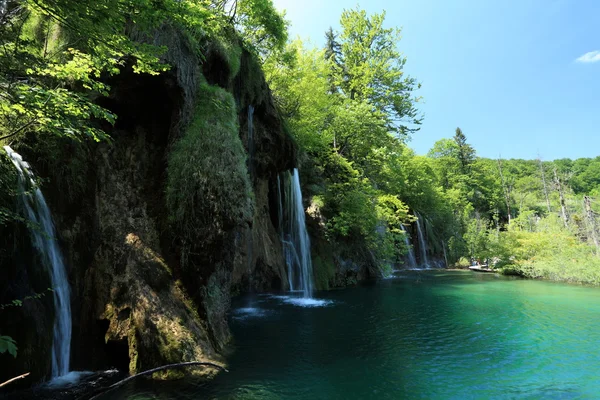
[300, 86]
[368, 66]
[19, 302]
[340, 117]
[208, 188]
[552, 253]
[53, 54]
[262, 26]
[8, 184]
[465, 152]
[8, 344]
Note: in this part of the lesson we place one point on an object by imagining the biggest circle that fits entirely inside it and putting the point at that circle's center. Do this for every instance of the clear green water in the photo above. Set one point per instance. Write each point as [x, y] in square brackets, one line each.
[434, 335]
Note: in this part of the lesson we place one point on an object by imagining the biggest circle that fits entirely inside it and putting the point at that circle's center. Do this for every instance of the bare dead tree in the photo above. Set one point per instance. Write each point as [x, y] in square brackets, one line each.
[563, 204]
[544, 183]
[506, 189]
[591, 221]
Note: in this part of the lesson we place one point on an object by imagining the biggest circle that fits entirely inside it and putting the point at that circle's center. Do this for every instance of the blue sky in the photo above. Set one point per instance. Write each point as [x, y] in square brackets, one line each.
[505, 71]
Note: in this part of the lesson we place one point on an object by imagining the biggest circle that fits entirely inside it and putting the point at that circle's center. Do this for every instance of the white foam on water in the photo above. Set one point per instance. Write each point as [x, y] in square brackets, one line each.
[301, 301]
[279, 297]
[307, 302]
[69, 379]
[250, 312]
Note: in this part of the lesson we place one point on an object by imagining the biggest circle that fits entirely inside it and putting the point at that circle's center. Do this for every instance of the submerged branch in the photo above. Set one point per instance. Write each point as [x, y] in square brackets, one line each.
[158, 369]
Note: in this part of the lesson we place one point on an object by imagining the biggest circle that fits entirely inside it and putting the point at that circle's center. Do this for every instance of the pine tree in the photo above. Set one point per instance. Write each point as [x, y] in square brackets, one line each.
[466, 153]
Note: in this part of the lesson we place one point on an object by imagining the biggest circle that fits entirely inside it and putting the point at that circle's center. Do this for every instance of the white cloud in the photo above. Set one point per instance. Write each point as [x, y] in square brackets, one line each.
[591, 57]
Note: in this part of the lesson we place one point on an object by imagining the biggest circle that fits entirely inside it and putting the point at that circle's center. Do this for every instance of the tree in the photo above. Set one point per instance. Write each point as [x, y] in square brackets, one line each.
[333, 55]
[261, 25]
[507, 187]
[447, 165]
[368, 66]
[53, 53]
[466, 153]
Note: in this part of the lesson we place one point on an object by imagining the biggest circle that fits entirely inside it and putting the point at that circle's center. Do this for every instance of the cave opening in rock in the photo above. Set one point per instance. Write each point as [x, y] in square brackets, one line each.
[145, 104]
[116, 352]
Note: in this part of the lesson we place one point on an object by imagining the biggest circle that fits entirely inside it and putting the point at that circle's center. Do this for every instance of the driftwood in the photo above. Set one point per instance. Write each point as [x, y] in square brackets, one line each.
[14, 379]
[151, 371]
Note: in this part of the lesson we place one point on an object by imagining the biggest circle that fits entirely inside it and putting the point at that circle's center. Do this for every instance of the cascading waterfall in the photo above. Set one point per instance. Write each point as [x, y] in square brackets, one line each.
[44, 239]
[445, 254]
[412, 261]
[288, 260]
[296, 242]
[249, 240]
[251, 140]
[422, 243]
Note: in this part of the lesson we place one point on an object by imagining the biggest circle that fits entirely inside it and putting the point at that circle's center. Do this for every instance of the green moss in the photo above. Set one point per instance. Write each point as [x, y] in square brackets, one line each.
[323, 267]
[8, 186]
[65, 162]
[133, 352]
[254, 86]
[229, 49]
[208, 188]
[217, 301]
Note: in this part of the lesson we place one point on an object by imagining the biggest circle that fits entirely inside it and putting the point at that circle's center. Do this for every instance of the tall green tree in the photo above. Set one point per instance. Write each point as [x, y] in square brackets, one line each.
[368, 66]
[466, 153]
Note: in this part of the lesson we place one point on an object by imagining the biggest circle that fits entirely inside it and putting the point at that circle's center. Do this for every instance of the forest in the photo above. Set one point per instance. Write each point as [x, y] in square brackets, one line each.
[348, 110]
[353, 111]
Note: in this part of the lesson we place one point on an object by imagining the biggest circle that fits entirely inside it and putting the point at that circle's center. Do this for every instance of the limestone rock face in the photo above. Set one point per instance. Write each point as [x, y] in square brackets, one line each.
[138, 299]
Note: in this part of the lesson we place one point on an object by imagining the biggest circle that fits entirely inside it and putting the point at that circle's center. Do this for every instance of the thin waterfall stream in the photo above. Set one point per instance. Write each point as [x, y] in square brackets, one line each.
[294, 237]
[250, 243]
[422, 243]
[43, 236]
[412, 261]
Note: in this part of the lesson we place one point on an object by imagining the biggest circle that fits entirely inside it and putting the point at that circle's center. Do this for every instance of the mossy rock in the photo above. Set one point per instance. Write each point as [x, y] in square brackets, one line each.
[208, 187]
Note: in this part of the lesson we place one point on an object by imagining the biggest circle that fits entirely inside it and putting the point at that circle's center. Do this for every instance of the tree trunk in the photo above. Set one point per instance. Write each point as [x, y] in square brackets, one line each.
[545, 186]
[505, 189]
[589, 214]
[563, 204]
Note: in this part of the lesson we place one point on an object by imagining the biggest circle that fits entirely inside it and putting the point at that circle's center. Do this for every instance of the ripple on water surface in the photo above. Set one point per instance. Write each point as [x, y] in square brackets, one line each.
[433, 335]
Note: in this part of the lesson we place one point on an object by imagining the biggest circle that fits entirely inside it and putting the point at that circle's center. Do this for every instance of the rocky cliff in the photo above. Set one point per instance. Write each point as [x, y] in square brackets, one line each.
[161, 225]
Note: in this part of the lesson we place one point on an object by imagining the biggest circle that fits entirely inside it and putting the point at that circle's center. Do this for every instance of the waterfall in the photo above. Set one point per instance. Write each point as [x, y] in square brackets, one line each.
[296, 243]
[288, 261]
[251, 140]
[44, 239]
[445, 254]
[412, 261]
[422, 243]
[249, 239]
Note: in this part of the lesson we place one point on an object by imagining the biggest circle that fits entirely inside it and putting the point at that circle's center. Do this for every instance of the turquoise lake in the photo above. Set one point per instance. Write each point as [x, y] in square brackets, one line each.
[419, 335]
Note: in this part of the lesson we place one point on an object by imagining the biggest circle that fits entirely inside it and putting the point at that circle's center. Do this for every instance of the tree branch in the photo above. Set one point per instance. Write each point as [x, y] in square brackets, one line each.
[158, 369]
[14, 379]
